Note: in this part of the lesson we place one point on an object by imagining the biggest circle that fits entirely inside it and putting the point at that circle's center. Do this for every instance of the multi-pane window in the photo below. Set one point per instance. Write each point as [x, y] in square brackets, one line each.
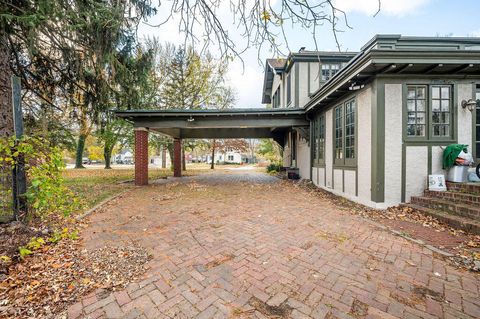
[338, 113]
[345, 133]
[329, 70]
[416, 110]
[350, 129]
[319, 139]
[429, 113]
[441, 110]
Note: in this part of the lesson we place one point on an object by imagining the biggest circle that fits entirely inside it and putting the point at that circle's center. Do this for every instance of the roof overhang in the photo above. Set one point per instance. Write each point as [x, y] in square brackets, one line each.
[412, 57]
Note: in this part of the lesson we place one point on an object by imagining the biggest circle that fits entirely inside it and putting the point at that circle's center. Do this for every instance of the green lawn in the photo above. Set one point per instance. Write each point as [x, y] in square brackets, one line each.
[95, 185]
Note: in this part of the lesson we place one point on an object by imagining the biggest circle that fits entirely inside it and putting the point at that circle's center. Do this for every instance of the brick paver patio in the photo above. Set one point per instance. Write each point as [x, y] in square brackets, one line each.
[246, 245]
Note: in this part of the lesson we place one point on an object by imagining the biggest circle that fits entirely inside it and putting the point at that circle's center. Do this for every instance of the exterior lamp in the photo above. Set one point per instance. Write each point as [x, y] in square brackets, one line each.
[470, 104]
[190, 119]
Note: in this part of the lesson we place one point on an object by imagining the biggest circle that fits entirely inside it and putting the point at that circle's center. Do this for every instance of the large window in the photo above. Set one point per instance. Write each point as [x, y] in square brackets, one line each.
[441, 110]
[429, 111]
[345, 133]
[338, 113]
[319, 139]
[416, 108]
[350, 130]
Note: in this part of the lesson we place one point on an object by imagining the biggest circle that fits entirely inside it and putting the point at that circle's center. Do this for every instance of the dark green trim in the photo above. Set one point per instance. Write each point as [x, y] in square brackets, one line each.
[378, 143]
[345, 167]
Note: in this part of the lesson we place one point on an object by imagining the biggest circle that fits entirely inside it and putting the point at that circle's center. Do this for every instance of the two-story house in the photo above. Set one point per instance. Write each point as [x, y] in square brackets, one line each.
[379, 118]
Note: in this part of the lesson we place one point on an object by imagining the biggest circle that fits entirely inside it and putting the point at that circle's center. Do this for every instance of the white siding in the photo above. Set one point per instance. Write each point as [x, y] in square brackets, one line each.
[364, 142]
[417, 170]
[393, 143]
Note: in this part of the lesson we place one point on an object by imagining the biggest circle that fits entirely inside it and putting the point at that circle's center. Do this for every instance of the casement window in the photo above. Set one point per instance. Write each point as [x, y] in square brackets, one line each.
[429, 112]
[319, 139]
[344, 124]
[338, 118]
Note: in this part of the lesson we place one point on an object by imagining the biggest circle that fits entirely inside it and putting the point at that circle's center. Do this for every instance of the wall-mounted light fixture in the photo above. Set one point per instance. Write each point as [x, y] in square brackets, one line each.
[190, 119]
[469, 105]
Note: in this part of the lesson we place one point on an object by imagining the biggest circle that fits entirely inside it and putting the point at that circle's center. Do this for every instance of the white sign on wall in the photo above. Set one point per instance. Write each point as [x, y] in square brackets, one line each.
[436, 183]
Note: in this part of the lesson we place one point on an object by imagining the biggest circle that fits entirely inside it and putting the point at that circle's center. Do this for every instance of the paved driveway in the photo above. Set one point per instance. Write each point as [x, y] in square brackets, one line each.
[242, 244]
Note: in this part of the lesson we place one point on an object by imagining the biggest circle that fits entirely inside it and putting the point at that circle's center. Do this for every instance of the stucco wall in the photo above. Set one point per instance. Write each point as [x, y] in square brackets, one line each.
[303, 158]
[437, 160]
[417, 170]
[350, 182]
[338, 180]
[303, 97]
[364, 160]
[465, 92]
[314, 76]
[393, 143]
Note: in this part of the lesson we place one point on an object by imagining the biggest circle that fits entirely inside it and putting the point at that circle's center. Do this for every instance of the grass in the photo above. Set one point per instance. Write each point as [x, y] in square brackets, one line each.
[94, 185]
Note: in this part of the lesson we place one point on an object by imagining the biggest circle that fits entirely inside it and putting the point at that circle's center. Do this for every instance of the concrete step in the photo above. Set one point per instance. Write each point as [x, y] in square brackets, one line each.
[470, 188]
[456, 197]
[459, 222]
[448, 206]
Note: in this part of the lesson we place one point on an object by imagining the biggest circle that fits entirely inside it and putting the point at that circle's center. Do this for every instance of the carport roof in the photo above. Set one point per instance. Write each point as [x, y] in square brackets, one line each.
[211, 123]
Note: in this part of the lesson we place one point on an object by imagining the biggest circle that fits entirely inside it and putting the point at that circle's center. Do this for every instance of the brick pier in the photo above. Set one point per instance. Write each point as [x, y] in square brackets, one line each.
[141, 157]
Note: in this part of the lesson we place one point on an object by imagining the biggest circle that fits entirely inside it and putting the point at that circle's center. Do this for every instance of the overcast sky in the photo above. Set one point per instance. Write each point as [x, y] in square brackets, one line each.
[406, 17]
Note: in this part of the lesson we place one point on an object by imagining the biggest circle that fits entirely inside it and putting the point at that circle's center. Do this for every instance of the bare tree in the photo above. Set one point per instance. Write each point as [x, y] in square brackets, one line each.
[261, 23]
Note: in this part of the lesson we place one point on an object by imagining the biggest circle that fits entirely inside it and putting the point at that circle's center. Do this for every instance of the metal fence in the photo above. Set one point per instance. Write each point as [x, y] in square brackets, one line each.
[13, 182]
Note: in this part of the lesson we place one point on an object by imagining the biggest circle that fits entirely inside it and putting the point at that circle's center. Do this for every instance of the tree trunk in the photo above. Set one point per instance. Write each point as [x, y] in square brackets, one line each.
[212, 165]
[107, 154]
[164, 156]
[79, 153]
[6, 111]
[170, 152]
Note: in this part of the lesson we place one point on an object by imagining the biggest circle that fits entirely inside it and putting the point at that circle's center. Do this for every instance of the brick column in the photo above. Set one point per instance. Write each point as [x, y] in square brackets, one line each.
[177, 157]
[141, 157]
